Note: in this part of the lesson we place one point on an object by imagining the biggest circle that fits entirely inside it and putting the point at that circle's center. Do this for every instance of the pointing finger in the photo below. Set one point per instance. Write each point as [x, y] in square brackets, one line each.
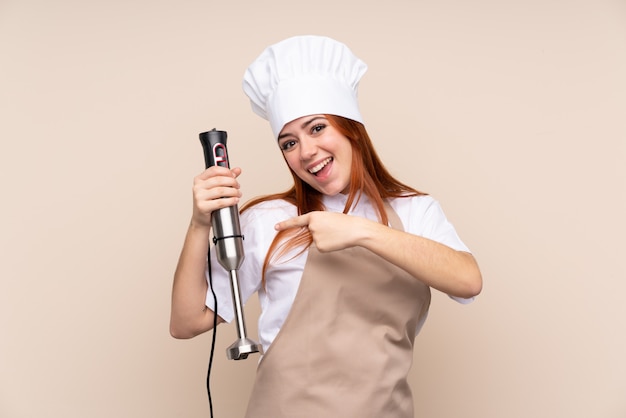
[298, 221]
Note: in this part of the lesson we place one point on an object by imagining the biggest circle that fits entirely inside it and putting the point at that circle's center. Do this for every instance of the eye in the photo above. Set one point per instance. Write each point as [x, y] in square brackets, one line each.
[317, 128]
[287, 145]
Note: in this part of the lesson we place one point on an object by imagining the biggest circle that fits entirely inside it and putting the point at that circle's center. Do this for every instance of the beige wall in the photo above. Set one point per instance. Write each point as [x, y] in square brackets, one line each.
[511, 113]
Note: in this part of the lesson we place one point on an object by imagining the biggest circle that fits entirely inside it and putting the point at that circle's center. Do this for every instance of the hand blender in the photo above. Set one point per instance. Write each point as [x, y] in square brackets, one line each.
[228, 243]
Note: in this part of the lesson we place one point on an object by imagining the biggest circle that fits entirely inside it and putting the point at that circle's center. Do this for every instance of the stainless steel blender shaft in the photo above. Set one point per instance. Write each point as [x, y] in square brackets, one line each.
[229, 245]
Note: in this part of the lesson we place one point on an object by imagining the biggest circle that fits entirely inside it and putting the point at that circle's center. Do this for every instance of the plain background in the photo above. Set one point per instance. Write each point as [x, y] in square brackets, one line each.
[510, 113]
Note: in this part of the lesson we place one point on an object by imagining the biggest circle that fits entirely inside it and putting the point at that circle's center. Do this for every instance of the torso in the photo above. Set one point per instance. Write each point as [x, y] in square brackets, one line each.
[346, 346]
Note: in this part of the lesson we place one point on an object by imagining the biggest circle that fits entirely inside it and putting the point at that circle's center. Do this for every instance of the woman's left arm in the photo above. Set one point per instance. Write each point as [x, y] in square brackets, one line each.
[453, 272]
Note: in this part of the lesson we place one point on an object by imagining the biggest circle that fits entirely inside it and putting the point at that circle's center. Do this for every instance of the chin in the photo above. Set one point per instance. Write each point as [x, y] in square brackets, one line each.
[329, 189]
[334, 192]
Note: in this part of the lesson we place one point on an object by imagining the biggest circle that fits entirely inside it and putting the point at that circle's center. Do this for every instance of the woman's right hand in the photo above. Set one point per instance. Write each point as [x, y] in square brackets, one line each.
[215, 188]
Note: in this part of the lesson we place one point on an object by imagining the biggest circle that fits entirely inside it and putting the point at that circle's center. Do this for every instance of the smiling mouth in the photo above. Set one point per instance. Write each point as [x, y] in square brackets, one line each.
[318, 168]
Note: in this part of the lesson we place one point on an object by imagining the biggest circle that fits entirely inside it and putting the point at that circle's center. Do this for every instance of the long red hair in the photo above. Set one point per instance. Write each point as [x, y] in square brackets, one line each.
[368, 176]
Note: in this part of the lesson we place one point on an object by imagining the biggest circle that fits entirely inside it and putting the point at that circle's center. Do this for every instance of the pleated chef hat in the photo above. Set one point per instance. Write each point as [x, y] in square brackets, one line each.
[304, 75]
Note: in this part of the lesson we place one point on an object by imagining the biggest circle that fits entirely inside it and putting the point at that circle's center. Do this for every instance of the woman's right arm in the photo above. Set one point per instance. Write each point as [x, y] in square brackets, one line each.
[215, 188]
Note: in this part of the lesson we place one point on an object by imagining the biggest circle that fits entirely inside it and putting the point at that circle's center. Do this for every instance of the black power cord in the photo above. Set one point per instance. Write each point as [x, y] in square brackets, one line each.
[208, 376]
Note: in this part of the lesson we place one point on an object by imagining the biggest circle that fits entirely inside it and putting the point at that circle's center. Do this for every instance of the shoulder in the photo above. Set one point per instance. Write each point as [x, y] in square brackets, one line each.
[412, 206]
[419, 214]
[424, 216]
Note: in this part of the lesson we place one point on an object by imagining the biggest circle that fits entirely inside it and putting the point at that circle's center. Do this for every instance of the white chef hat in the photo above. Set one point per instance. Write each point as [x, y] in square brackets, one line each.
[304, 75]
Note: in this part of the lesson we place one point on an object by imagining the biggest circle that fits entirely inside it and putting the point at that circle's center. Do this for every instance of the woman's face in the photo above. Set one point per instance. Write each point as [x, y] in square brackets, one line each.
[317, 153]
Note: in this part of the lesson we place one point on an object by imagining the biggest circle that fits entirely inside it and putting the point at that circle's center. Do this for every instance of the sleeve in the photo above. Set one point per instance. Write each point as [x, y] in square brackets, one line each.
[427, 219]
[438, 228]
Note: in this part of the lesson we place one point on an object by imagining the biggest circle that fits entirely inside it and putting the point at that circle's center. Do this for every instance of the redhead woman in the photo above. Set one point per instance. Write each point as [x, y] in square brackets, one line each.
[343, 262]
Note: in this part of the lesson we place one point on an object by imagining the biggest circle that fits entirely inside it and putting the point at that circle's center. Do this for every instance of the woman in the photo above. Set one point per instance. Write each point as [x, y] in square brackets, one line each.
[343, 262]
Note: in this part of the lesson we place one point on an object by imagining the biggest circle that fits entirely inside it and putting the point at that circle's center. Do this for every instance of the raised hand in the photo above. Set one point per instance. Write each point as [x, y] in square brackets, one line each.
[215, 188]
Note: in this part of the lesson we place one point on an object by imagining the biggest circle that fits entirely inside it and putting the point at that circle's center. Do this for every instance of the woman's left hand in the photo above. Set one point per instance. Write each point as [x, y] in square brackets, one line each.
[331, 231]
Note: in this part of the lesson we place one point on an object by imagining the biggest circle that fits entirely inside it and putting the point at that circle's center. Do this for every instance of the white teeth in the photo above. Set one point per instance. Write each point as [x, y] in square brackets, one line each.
[320, 165]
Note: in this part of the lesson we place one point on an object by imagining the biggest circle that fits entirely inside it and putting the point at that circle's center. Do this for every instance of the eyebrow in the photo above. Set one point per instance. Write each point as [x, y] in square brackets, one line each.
[304, 125]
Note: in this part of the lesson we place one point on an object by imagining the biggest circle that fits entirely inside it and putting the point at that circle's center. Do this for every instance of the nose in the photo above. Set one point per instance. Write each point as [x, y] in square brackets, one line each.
[308, 148]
